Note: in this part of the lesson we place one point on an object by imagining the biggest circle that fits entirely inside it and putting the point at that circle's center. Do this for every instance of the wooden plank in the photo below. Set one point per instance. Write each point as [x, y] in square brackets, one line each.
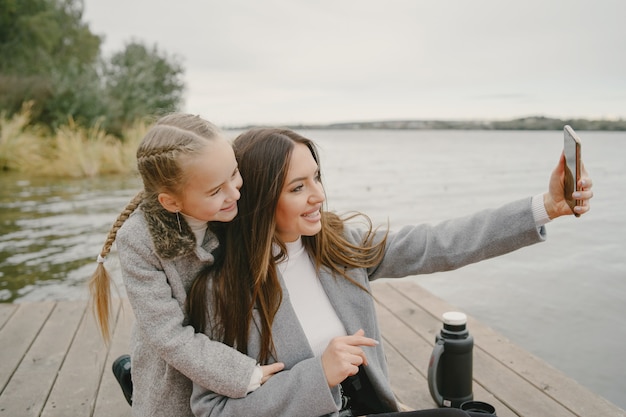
[416, 351]
[517, 394]
[18, 334]
[501, 382]
[31, 383]
[397, 337]
[573, 396]
[409, 386]
[74, 393]
[6, 311]
[110, 400]
[52, 356]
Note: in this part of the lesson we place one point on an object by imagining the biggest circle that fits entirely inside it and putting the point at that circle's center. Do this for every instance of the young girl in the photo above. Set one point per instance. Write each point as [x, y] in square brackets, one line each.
[294, 284]
[191, 187]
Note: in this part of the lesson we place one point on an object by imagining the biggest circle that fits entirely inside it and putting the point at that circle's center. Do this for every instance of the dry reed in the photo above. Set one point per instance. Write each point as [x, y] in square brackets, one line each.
[71, 151]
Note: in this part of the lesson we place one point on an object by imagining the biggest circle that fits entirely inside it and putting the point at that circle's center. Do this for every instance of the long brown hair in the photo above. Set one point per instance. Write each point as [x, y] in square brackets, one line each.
[248, 279]
[161, 158]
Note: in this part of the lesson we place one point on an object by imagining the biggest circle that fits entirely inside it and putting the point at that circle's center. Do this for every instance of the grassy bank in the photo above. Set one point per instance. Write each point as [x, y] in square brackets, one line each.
[70, 151]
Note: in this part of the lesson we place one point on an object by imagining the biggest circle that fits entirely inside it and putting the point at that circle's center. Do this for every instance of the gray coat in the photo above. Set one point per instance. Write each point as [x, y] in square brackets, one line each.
[159, 263]
[301, 390]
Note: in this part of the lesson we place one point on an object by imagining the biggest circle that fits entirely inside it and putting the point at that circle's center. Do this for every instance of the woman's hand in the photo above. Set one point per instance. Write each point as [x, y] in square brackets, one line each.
[270, 370]
[554, 200]
[343, 356]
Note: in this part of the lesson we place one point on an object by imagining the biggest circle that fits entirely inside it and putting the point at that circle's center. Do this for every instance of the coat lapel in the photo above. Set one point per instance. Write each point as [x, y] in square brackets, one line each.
[345, 299]
[290, 341]
[289, 338]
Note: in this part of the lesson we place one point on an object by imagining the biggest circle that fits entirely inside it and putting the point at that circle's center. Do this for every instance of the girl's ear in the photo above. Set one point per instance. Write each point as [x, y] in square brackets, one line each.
[169, 202]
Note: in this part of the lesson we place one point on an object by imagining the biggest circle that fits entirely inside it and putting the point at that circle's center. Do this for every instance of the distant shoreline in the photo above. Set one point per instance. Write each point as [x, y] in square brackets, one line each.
[525, 123]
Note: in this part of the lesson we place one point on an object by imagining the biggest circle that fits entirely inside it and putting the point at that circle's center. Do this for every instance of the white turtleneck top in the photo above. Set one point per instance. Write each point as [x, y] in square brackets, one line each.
[198, 227]
[308, 298]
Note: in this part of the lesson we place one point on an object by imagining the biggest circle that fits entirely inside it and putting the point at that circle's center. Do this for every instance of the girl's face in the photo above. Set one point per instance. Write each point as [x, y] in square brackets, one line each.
[298, 209]
[213, 183]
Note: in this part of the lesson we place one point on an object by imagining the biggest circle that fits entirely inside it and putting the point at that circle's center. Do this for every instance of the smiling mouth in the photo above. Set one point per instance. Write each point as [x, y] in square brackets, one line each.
[312, 214]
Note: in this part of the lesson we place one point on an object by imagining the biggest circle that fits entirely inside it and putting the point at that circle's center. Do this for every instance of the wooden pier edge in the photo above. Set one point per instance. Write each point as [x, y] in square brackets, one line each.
[53, 361]
[516, 382]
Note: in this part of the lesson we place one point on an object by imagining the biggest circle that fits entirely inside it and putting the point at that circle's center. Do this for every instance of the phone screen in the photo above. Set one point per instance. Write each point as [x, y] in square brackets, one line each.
[571, 146]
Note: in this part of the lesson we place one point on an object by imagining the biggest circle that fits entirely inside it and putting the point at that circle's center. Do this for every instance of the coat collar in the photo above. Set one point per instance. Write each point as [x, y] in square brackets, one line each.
[172, 237]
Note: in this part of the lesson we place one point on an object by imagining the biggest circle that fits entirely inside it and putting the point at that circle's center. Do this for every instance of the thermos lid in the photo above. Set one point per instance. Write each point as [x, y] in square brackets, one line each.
[454, 318]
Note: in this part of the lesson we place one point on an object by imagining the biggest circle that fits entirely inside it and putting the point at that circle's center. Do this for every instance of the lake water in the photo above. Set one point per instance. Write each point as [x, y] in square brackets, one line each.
[563, 300]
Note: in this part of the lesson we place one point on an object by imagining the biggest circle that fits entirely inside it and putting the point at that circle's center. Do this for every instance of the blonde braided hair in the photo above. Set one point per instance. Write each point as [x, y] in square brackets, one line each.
[100, 282]
[161, 157]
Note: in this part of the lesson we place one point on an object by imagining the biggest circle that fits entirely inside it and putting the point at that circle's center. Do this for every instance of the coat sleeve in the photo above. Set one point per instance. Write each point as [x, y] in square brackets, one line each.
[424, 248]
[160, 321]
[299, 391]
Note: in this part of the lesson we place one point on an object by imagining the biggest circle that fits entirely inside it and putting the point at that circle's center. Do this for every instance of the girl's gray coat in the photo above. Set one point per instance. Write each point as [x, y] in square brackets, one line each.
[301, 390]
[159, 262]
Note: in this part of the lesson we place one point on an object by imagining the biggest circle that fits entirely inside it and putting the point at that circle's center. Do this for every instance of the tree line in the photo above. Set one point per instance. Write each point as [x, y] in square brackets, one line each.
[524, 123]
[52, 63]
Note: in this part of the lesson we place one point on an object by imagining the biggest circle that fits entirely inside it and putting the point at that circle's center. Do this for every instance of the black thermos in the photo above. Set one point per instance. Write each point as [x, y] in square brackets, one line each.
[450, 366]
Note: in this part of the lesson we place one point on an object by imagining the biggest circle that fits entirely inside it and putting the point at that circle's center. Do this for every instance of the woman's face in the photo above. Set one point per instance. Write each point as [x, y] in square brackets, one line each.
[213, 183]
[298, 209]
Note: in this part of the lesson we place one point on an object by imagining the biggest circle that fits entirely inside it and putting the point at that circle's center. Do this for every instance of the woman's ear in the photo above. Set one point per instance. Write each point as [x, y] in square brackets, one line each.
[169, 202]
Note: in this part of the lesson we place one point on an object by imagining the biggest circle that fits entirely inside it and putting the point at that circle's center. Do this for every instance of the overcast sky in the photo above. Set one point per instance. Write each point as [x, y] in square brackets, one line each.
[319, 61]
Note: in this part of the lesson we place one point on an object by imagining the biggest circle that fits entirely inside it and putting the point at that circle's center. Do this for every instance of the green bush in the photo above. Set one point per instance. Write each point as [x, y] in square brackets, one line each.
[51, 58]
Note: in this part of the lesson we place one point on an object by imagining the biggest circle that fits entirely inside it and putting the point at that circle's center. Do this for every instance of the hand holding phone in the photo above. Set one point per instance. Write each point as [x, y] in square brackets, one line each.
[571, 147]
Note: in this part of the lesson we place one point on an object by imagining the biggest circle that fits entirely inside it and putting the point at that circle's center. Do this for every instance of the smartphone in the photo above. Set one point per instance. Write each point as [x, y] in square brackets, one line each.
[571, 146]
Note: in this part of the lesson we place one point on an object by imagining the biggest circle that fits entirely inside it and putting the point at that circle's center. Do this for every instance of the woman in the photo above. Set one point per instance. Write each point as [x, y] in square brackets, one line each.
[294, 285]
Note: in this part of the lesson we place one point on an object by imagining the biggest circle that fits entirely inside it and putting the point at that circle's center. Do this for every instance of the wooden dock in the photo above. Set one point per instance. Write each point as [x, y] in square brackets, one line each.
[54, 363]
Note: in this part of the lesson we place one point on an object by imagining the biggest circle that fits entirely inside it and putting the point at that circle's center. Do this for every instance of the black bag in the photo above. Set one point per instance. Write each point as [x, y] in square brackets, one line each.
[361, 397]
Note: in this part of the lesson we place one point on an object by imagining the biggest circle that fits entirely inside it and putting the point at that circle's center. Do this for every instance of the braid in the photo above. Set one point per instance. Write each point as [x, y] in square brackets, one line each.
[160, 157]
[100, 283]
[158, 152]
[128, 210]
